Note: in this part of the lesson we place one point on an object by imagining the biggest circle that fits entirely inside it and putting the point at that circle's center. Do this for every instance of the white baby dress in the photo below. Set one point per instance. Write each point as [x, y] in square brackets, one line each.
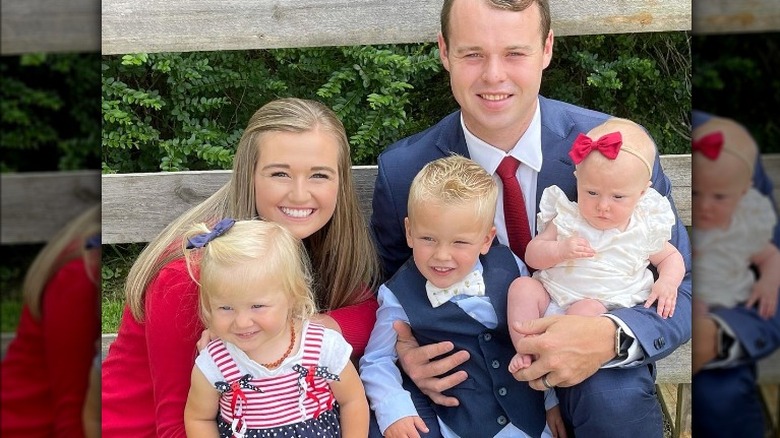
[721, 257]
[617, 275]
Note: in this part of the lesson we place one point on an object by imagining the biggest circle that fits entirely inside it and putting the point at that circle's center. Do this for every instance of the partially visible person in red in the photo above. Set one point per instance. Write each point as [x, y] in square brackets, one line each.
[90, 413]
[45, 371]
[292, 167]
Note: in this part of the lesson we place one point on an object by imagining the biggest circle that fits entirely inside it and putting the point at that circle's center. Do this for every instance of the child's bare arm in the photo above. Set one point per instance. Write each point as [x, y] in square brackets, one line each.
[555, 421]
[545, 251]
[765, 290]
[353, 405]
[200, 412]
[671, 270]
[406, 427]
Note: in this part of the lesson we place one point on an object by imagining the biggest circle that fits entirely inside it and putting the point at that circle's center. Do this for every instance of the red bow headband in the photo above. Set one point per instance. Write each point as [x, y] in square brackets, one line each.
[608, 145]
[712, 144]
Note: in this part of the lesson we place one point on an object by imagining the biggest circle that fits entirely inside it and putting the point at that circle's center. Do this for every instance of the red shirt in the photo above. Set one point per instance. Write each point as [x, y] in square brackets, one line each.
[45, 372]
[146, 375]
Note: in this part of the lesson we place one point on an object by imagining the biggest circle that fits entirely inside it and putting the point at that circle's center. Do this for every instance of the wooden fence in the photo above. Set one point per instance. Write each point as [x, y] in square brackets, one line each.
[75, 25]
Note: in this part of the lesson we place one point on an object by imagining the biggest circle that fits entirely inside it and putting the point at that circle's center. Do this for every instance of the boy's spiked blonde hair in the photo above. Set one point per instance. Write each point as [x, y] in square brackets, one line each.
[455, 180]
[252, 251]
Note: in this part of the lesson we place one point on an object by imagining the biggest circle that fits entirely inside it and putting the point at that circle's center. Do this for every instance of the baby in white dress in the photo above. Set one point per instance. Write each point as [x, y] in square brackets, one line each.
[733, 224]
[593, 255]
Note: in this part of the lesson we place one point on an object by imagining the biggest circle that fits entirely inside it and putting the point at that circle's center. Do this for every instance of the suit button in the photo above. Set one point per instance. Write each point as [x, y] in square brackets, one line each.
[502, 391]
[488, 336]
[659, 343]
[760, 343]
[501, 420]
[495, 364]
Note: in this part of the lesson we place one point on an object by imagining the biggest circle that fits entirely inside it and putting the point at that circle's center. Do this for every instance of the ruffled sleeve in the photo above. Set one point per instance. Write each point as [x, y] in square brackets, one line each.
[555, 206]
[655, 212]
[335, 351]
[756, 215]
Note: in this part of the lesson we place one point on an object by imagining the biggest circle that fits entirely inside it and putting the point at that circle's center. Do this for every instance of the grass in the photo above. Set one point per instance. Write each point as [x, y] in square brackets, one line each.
[16, 259]
[117, 260]
[111, 312]
[10, 309]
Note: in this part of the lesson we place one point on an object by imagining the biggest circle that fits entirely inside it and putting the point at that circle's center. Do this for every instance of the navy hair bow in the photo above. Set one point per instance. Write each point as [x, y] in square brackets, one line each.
[200, 240]
[93, 241]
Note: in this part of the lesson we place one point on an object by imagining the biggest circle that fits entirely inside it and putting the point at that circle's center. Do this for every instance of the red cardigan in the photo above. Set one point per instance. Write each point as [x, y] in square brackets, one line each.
[146, 375]
[45, 371]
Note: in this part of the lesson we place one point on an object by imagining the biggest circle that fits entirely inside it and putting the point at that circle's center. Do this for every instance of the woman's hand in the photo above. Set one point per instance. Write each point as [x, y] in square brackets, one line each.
[204, 340]
[326, 320]
[416, 362]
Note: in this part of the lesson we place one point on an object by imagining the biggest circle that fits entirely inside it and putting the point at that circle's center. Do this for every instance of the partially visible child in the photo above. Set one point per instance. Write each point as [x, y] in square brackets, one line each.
[454, 288]
[271, 372]
[593, 255]
[732, 224]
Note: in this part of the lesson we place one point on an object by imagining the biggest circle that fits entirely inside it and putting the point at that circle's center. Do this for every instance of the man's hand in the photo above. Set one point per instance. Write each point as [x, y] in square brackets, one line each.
[569, 348]
[416, 362]
[704, 342]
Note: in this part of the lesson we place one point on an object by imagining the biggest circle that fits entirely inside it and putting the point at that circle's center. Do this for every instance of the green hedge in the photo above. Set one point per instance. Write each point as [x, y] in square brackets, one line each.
[736, 76]
[49, 112]
[185, 111]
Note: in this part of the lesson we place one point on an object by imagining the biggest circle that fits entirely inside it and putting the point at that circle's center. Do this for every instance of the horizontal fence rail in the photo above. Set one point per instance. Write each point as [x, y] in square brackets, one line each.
[130, 26]
[35, 205]
[165, 26]
[137, 206]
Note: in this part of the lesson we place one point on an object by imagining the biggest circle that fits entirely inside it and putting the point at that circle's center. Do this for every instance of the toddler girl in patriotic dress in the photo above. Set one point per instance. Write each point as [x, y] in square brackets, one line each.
[270, 372]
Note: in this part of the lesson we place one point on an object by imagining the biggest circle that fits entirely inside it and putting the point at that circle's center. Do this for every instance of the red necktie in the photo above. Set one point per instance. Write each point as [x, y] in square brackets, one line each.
[517, 228]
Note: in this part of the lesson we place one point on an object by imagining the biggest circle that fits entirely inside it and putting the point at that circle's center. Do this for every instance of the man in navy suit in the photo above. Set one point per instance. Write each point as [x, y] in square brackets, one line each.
[495, 52]
[727, 344]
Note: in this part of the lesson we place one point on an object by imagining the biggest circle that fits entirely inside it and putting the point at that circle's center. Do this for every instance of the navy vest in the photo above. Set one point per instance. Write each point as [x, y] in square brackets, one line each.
[490, 397]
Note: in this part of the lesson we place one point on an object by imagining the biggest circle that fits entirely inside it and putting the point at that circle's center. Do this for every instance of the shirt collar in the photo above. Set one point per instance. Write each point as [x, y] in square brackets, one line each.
[528, 149]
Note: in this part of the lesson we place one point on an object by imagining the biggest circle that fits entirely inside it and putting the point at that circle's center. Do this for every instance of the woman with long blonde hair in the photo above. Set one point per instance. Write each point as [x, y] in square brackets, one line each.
[292, 167]
[45, 372]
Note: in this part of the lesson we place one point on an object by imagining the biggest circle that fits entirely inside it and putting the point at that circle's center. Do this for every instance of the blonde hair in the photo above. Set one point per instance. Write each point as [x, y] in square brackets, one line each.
[68, 244]
[737, 141]
[265, 250]
[636, 141]
[342, 254]
[454, 181]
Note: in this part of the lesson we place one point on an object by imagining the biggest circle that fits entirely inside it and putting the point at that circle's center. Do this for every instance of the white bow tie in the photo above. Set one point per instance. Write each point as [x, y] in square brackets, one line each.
[472, 285]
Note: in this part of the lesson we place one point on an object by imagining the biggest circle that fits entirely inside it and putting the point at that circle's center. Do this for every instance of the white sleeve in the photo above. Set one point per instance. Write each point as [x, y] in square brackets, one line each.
[335, 351]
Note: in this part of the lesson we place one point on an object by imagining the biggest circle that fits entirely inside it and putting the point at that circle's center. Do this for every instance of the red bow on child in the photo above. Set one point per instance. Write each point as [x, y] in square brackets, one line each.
[607, 144]
[710, 145]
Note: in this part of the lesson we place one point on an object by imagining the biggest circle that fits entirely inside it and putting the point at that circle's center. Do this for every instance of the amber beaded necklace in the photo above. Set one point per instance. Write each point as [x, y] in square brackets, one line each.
[286, 354]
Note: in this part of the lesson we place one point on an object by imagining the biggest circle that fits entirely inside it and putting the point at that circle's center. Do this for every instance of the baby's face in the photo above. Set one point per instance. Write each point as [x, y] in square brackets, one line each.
[446, 241]
[717, 188]
[608, 190]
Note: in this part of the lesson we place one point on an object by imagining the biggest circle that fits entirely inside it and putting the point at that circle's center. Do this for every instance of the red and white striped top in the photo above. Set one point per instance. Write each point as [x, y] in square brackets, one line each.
[279, 400]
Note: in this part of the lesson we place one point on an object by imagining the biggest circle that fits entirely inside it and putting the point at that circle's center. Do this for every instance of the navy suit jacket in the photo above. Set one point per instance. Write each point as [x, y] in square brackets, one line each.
[561, 122]
[758, 337]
